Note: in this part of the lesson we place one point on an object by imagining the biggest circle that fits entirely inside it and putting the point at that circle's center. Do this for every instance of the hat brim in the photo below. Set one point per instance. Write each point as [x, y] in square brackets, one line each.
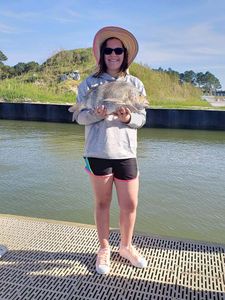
[127, 38]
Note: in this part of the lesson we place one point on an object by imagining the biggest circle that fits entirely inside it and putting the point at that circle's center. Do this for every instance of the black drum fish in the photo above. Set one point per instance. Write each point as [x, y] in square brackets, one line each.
[112, 95]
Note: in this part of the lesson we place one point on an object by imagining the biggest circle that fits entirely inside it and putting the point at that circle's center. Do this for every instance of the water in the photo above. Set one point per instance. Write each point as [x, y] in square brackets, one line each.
[182, 179]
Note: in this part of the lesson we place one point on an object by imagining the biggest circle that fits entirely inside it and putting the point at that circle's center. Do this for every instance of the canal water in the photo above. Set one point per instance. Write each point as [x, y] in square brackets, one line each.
[182, 178]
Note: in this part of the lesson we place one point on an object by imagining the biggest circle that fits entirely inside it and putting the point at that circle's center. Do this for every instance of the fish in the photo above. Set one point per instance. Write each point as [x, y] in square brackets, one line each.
[112, 95]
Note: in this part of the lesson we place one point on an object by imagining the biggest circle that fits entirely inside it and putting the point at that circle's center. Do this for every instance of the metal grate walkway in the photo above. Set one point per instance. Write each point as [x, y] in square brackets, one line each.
[55, 260]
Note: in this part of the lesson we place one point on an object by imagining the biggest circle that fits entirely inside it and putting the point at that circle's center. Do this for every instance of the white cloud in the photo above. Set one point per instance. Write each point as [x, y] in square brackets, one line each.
[20, 15]
[198, 47]
[6, 29]
[196, 43]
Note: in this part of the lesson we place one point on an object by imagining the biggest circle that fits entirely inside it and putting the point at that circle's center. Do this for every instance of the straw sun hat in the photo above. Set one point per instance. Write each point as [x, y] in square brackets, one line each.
[126, 37]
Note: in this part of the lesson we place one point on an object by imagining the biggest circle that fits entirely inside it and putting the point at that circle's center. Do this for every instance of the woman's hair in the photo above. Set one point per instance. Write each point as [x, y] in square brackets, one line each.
[102, 68]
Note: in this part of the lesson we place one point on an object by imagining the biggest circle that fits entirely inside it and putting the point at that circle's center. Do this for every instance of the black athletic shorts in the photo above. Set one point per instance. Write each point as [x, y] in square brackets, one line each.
[123, 169]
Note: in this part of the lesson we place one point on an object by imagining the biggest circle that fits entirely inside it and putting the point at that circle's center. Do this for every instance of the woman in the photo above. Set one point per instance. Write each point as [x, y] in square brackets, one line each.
[110, 144]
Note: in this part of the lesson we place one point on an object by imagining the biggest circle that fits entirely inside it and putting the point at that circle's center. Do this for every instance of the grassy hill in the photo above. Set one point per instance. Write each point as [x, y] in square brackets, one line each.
[43, 85]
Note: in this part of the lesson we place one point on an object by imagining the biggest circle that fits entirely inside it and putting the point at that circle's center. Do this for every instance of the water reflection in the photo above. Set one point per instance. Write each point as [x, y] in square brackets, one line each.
[181, 189]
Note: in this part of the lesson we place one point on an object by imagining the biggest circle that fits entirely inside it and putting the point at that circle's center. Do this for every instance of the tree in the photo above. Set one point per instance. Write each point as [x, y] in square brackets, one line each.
[6, 72]
[160, 69]
[31, 66]
[189, 76]
[20, 68]
[210, 83]
[200, 79]
[3, 57]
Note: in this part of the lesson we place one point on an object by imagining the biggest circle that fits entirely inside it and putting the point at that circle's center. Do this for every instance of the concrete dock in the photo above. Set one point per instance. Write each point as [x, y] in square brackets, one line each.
[56, 260]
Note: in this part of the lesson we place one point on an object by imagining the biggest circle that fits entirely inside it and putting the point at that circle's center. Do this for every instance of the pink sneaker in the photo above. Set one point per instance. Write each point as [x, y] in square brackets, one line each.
[133, 256]
[103, 261]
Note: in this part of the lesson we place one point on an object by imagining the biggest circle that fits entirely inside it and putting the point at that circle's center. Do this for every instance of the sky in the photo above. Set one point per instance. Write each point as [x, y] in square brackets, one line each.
[178, 34]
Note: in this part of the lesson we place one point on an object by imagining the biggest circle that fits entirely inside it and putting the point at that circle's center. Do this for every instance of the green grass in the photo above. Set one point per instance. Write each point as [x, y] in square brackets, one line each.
[16, 90]
[13, 90]
[164, 90]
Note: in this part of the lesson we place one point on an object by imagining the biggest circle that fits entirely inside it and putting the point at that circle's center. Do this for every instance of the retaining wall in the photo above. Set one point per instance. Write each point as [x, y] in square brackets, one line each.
[156, 118]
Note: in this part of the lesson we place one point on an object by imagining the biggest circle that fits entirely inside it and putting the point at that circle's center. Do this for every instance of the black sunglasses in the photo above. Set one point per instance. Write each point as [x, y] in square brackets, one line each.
[118, 51]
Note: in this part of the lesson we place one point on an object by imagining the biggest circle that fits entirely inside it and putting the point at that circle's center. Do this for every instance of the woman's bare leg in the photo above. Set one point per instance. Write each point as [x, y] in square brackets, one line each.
[127, 193]
[102, 188]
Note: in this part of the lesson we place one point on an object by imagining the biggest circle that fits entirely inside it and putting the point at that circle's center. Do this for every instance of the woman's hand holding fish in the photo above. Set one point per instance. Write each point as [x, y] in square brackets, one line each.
[101, 111]
[124, 114]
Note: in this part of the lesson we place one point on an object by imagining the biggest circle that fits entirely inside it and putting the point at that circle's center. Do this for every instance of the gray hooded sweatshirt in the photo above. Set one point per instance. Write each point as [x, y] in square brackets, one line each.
[108, 137]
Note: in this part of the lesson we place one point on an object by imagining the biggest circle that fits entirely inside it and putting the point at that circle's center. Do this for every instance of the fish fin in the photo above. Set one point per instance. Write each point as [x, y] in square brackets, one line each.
[75, 109]
[72, 108]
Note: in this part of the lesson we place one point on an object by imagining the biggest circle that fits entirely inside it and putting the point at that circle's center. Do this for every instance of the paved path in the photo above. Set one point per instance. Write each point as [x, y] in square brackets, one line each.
[54, 260]
[215, 101]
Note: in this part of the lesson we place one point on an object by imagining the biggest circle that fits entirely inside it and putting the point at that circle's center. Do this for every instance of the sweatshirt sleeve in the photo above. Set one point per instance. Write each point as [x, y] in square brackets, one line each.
[138, 119]
[85, 116]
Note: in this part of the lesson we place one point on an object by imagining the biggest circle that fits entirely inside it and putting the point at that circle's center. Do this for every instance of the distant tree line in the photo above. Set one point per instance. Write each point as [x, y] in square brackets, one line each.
[205, 81]
[18, 69]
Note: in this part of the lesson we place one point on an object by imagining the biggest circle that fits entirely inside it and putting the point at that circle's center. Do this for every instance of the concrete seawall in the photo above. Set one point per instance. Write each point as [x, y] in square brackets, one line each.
[186, 119]
[156, 118]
